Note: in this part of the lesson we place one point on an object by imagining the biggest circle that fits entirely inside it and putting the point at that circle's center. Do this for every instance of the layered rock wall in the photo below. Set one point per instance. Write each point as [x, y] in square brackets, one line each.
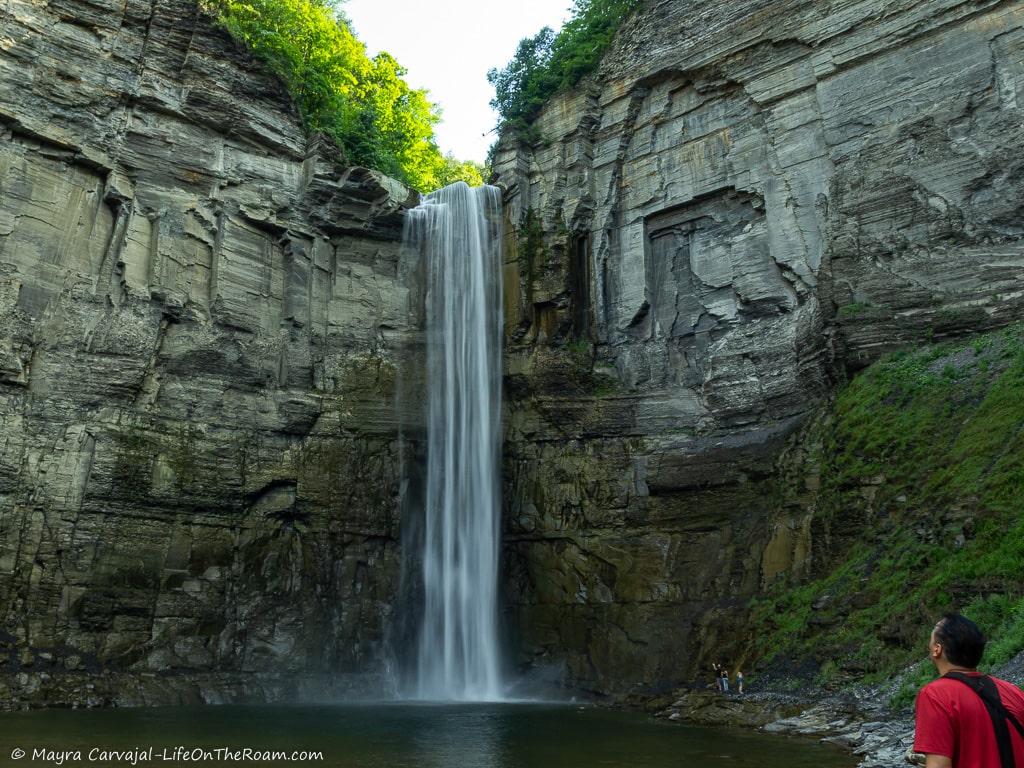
[203, 315]
[748, 202]
[201, 318]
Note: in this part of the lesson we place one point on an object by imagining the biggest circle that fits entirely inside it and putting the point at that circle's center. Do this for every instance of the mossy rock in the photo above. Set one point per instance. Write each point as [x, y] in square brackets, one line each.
[922, 501]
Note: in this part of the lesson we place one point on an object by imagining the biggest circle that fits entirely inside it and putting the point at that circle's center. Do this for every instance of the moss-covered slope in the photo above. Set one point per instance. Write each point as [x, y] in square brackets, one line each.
[920, 511]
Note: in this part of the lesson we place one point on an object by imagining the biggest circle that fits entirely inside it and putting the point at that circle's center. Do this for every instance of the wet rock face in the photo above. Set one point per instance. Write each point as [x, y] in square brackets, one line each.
[201, 315]
[746, 203]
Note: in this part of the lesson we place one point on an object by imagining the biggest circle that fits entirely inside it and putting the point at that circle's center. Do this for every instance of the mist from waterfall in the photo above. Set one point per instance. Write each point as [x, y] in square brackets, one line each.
[457, 232]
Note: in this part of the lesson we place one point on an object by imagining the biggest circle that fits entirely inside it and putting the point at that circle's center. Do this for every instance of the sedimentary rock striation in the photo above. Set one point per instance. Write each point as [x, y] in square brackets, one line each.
[746, 203]
[204, 312]
[201, 316]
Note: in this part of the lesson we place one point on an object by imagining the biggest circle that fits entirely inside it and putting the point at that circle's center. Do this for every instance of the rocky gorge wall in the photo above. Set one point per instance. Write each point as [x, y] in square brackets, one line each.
[202, 313]
[747, 203]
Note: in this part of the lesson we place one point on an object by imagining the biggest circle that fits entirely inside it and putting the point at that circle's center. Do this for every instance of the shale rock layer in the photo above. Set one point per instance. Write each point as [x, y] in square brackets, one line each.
[201, 316]
[748, 202]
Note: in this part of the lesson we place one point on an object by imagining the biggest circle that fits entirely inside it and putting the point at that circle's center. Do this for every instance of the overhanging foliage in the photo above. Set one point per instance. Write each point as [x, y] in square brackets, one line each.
[362, 102]
[548, 62]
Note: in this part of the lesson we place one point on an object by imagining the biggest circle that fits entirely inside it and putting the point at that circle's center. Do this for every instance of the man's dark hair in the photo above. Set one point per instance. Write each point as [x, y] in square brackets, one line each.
[962, 641]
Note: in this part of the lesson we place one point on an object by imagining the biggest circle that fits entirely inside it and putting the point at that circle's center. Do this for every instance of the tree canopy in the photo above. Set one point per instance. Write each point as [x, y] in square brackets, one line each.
[362, 102]
[548, 62]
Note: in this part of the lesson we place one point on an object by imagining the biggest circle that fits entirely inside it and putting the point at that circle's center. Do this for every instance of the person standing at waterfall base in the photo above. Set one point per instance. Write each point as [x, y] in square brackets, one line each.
[966, 719]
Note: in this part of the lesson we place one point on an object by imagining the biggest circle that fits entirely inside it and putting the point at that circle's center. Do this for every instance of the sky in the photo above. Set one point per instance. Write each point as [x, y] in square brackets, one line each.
[448, 46]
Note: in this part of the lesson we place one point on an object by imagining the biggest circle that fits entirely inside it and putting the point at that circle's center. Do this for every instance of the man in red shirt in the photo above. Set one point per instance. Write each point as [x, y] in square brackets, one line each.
[966, 719]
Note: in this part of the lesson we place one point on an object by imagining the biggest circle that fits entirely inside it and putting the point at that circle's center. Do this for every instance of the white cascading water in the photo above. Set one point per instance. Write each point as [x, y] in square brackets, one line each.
[457, 230]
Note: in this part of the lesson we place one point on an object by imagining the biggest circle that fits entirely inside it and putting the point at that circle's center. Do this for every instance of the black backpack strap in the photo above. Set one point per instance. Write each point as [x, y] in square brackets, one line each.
[985, 687]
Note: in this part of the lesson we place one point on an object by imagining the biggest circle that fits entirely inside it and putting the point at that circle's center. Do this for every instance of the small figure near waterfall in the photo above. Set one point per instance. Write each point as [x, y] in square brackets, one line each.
[966, 719]
[721, 675]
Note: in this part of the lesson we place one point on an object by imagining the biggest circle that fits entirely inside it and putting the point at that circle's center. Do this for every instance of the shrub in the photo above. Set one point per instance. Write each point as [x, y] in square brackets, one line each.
[361, 102]
[548, 62]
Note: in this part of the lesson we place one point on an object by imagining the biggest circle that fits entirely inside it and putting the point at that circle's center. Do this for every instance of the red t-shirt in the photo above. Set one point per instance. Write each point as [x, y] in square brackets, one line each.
[951, 720]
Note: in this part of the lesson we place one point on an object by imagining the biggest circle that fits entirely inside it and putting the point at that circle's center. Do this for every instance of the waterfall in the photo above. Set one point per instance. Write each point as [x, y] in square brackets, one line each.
[457, 231]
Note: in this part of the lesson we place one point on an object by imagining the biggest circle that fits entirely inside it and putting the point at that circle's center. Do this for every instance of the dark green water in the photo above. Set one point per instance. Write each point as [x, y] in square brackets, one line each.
[403, 735]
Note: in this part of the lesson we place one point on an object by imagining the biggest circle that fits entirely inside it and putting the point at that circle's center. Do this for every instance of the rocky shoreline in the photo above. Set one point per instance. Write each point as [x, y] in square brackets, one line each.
[859, 722]
[858, 719]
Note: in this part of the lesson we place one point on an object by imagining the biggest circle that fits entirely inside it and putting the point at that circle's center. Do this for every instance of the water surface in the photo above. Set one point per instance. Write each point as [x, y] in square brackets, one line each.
[408, 736]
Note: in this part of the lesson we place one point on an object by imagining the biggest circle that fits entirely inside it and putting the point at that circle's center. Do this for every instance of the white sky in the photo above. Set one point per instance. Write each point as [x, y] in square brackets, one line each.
[448, 46]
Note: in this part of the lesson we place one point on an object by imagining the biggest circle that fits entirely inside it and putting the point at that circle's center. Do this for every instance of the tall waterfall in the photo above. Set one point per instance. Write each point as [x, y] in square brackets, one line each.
[457, 230]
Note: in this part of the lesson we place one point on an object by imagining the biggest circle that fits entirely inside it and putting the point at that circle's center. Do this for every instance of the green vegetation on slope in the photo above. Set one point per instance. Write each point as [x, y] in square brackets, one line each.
[547, 62]
[923, 473]
[361, 102]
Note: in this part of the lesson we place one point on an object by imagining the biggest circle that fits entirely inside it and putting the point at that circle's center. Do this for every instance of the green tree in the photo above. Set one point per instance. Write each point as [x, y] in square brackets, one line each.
[363, 103]
[454, 170]
[547, 62]
[526, 81]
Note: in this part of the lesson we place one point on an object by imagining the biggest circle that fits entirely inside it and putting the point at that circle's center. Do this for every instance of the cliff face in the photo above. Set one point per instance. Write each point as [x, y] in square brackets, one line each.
[748, 202]
[201, 316]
